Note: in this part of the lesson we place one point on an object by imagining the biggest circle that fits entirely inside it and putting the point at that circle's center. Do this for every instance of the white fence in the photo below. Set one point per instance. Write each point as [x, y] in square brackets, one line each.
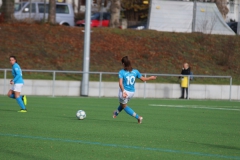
[110, 89]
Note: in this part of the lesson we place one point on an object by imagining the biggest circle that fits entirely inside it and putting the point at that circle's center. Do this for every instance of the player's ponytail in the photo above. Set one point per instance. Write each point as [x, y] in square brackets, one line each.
[14, 57]
[127, 64]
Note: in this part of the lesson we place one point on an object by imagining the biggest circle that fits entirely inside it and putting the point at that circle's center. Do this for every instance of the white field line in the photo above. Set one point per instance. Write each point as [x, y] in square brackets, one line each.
[195, 107]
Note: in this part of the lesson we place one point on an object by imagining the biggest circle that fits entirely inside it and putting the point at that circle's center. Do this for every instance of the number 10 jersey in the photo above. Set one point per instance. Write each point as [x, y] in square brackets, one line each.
[129, 78]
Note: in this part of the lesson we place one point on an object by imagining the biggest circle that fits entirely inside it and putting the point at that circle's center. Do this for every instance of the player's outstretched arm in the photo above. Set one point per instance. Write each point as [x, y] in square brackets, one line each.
[148, 78]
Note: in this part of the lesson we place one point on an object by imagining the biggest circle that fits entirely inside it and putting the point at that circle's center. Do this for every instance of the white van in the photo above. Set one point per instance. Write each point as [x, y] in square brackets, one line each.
[64, 12]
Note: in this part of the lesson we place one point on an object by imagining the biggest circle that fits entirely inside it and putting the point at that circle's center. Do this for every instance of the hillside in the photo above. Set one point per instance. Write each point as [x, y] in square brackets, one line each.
[49, 47]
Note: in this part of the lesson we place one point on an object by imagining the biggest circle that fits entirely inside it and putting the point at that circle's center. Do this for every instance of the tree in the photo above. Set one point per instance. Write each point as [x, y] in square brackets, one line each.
[79, 6]
[135, 10]
[136, 5]
[222, 6]
[7, 10]
[101, 4]
[115, 13]
[52, 12]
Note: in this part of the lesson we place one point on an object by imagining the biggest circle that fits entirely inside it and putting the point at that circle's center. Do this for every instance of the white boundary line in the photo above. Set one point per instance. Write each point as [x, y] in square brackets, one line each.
[195, 107]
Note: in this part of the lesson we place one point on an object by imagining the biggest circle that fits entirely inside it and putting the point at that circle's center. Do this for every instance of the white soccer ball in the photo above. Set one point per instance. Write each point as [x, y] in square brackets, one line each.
[81, 114]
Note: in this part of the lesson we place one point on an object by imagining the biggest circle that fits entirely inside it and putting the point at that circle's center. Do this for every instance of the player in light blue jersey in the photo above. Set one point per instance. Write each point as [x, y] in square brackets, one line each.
[17, 84]
[127, 77]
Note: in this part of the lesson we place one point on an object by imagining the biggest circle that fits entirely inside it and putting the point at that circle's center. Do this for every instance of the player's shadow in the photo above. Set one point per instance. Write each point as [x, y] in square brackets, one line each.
[8, 110]
[216, 145]
[111, 120]
[73, 118]
[93, 119]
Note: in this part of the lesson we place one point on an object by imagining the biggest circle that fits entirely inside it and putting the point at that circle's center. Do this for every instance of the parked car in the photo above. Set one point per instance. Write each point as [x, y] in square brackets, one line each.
[96, 20]
[64, 12]
[233, 26]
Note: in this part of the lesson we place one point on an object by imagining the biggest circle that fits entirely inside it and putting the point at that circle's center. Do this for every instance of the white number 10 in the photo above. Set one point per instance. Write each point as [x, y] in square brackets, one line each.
[130, 80]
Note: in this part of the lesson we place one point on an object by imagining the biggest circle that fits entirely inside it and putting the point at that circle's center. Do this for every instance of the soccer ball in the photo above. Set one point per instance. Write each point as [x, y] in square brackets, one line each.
[81, 114]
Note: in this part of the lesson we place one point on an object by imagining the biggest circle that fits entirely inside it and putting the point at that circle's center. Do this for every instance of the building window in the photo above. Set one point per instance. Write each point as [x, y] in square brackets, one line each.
[231, 4]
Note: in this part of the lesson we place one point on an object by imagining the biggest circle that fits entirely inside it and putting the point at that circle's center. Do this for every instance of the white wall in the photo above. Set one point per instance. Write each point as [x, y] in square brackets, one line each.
[110, 89]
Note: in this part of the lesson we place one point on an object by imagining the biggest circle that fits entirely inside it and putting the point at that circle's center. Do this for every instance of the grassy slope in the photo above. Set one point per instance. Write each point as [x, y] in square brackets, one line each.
[61, 48]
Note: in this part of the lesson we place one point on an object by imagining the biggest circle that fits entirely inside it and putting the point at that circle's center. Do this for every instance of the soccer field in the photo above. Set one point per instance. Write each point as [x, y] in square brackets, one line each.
[171, 129]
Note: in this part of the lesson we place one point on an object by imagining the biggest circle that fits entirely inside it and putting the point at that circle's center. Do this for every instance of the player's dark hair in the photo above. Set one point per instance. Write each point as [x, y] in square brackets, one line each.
[127, 64]
[14, 57]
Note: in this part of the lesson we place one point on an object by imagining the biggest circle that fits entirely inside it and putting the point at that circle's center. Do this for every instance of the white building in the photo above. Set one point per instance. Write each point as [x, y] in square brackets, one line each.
[234, 9]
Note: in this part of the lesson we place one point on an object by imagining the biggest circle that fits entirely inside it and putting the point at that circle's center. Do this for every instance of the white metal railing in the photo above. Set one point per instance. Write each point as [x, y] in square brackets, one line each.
[113, 73]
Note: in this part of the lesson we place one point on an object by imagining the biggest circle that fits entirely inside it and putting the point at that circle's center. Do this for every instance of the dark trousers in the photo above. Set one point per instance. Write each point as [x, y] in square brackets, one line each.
[183, 90]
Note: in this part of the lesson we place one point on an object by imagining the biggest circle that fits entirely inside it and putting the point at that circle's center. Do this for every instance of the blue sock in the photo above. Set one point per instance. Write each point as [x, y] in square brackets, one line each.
[20, 102]
[129, 111]
[119, 110]
[12, 96]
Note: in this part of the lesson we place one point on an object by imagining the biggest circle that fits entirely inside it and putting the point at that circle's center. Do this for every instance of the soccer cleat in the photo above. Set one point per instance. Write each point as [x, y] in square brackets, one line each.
[23, 111]
[114, 115]
[140, 120]
[24, 99]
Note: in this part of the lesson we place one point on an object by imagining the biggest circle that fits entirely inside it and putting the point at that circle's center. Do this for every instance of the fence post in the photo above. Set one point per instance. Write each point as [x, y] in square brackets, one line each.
[144, 92]
[188, 87]
[230, 90]
[30, 10]
[100, 84]
[5, 79]
[194, 16]
[53, 84]
[86, 56]
[44, 13]
[238, 28]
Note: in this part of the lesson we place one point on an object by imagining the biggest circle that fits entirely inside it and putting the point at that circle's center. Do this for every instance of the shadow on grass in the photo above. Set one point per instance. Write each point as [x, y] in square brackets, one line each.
[8, 110]
[92, 119]
[22, 155]
[112, 121]
[216, 146]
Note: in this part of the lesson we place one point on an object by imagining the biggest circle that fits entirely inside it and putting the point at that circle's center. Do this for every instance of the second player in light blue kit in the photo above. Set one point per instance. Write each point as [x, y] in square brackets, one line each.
[127, 77]
[17, 84]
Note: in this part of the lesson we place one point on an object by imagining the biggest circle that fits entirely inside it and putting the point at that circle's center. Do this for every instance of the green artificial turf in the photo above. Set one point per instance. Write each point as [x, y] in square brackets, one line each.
[171, 129]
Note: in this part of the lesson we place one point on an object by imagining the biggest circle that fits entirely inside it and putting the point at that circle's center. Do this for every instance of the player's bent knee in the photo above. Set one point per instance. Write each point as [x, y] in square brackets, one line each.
[16, 96]
[9, 94]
